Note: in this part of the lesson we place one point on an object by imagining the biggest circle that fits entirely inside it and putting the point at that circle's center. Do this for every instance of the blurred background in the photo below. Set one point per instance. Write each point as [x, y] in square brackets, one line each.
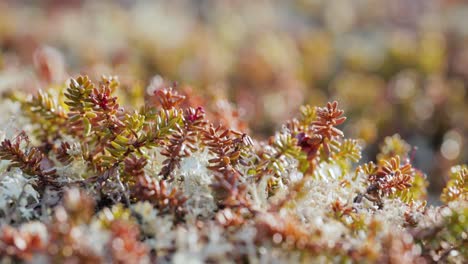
[395, 66]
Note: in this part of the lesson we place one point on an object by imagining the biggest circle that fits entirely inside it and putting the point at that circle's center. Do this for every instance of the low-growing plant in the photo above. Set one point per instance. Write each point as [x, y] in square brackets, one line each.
[89, 180]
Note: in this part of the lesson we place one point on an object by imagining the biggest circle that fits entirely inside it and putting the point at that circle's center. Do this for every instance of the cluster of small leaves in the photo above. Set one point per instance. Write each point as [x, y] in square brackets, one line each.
[169, 98]
[327, 118]
[457, 186]
[304, 140]
[417, 191]
[107, 132]
[112, 141]
[78, 95]
[392, 176]
[50, 117]
[388, 179]
[349, 149]
[94, 114]
[396, 146]
[183, 140]
[30, 160]
[62, 153]
[283, 146]
[303, 123]
[340, 209]
[133, 168]
[322, 135]
[227, 145]
[229, 148]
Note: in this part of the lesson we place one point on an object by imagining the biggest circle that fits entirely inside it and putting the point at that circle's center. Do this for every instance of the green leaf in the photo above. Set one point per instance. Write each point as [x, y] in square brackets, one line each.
[87, 126]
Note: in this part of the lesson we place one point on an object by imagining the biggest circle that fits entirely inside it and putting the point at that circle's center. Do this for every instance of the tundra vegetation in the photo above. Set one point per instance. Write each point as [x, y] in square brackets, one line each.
[85, 179]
